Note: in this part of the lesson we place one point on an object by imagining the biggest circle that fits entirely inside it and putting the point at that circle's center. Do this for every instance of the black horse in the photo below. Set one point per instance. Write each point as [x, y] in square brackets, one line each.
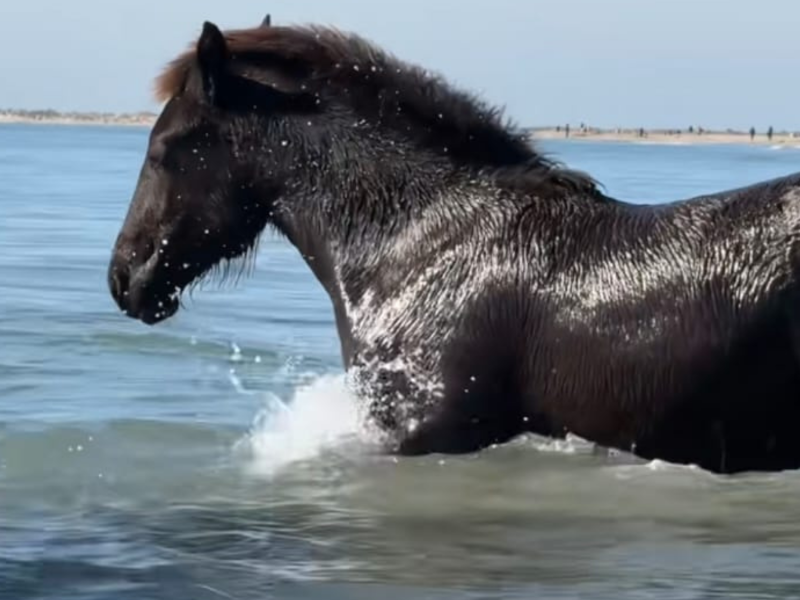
[480, 289]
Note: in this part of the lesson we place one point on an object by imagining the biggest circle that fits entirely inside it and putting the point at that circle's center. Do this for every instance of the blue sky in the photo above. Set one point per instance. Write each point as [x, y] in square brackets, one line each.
[651, 63]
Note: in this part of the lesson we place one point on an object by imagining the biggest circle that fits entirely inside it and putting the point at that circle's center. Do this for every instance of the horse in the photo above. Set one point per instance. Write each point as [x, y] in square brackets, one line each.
[481, 289]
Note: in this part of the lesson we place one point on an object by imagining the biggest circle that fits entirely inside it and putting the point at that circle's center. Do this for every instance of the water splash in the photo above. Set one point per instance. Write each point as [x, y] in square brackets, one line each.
[322, 416]
[237, 383]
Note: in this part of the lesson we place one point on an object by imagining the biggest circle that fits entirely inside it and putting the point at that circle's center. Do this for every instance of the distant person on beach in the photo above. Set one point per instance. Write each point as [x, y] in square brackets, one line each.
[566, 130]
[752, 133]
[691, 129]
[769, 133]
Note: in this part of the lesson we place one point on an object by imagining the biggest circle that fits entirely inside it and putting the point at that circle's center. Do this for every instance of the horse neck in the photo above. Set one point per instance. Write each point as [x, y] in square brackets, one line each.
[361, 195]
[350, 216]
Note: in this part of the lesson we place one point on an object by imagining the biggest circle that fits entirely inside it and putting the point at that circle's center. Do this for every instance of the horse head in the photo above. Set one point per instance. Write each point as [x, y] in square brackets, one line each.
[311, 130]
[219, 158]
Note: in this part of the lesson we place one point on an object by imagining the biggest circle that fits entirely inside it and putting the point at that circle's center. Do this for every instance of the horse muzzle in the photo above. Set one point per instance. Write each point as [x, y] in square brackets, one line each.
[136, 289]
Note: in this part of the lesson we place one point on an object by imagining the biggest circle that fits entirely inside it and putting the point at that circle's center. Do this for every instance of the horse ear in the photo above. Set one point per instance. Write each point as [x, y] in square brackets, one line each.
[267, 21]
[212, 55]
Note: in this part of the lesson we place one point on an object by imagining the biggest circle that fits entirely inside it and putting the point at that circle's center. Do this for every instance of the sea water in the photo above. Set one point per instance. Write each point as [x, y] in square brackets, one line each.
[220, 455]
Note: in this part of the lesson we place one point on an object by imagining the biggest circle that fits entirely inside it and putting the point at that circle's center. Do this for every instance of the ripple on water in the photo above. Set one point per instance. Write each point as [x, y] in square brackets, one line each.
[303, 498]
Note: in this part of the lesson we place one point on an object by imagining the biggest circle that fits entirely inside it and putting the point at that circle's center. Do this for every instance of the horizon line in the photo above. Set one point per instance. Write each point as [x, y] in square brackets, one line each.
[50, 114]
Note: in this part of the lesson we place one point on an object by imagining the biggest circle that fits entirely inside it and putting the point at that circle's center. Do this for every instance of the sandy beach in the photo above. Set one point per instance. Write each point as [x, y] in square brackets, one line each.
[51, 117]
[651, 136]
[675, 136]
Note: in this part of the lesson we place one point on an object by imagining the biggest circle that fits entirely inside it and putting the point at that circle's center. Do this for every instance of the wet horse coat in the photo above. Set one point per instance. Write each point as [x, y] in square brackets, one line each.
[480, 290]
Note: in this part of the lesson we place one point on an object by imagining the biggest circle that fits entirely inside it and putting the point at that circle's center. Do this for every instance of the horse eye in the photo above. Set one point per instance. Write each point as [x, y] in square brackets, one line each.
[155, 158]
[156, 152]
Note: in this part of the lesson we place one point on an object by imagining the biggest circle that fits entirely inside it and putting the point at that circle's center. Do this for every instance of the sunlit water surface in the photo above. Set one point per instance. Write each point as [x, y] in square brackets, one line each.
[220, 455]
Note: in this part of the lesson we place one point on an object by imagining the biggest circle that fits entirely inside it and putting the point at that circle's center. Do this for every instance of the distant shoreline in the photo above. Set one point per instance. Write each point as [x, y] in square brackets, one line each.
[650, 136]
[51, 117]
[674, 137]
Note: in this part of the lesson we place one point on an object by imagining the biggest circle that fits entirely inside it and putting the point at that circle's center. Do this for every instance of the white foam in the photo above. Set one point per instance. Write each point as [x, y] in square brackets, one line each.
[570, 444]
[321, 416]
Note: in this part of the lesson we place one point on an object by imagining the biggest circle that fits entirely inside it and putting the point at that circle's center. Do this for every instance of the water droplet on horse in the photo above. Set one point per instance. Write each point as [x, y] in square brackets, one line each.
[194, 150]
[284, 142]
[165, 242]
[355, 68]
[206, 231]
[185, 265]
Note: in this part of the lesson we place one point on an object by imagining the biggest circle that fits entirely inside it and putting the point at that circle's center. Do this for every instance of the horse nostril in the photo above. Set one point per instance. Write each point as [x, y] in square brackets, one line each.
[119, 282]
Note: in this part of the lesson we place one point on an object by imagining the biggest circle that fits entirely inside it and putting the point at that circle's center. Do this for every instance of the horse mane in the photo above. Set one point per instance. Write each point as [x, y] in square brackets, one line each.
[382, 85]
